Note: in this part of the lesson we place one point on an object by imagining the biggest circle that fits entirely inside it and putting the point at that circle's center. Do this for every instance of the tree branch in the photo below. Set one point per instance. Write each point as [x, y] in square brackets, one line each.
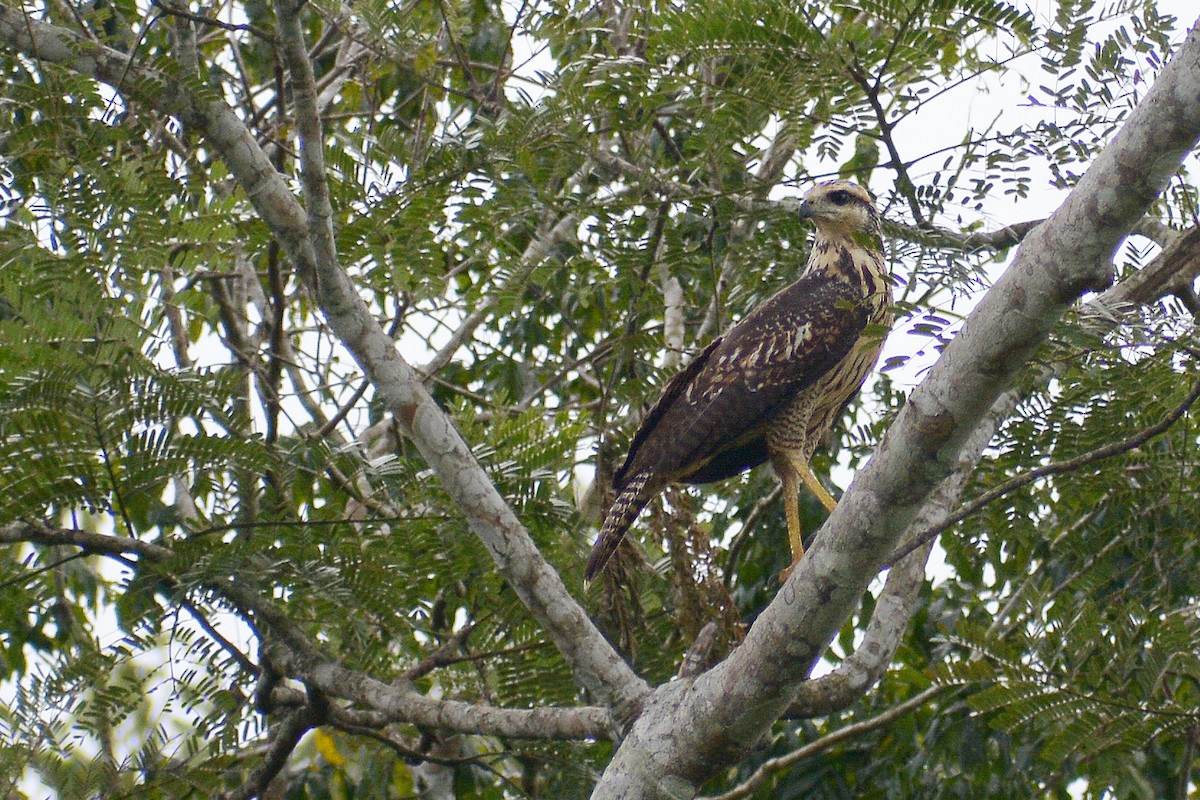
[863, 668]
[1177, 265]
[691, 729]
[904, 183]
[929, 235]
[597, 666]
[285, 737]
[780, 763]
[401, 703]
[183, 13]
[999, 239]
[308, 126]
[1131, 442]
[292, 653]
[1171, 271]
[537, 250]
[95, 543]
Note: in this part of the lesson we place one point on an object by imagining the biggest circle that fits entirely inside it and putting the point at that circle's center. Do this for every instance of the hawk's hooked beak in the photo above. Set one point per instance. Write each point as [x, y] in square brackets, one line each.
[801, 208]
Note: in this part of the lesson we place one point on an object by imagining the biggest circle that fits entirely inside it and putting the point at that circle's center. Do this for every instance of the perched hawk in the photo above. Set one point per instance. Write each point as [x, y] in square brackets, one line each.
[770, 387]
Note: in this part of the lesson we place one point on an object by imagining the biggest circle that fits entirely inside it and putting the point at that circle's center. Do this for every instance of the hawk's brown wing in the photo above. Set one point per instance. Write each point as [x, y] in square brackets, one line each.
[713, 415]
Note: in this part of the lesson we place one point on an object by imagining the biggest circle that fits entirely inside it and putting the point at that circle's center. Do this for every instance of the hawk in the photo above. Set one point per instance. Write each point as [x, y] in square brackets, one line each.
[772, 385]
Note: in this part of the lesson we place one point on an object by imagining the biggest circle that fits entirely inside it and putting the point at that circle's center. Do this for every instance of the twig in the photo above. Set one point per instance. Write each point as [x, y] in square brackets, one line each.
[277, 340]
[442, 655]
[237, 655]
[342, 412]
[904, 183]
[562, 231]
[184, 13]
[1069, 465]
[739, 541]
[696, 657]
[771, 766]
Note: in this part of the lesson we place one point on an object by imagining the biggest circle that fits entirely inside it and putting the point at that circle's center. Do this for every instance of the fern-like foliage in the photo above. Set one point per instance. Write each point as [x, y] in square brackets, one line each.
[1094, 690]
[531, 181]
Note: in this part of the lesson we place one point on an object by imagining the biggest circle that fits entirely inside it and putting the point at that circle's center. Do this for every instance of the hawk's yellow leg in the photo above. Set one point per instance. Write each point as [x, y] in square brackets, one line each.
[816, 488]
[796, 469]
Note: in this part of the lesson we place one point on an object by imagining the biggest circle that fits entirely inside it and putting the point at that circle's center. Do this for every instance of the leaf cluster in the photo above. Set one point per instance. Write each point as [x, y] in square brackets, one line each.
[530, 184]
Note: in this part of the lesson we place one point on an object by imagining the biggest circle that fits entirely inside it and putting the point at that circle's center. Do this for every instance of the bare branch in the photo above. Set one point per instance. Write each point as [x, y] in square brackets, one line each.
[401, 703]
[285, 736]
[176, 328]
[1172, 270]
[183, 13]
[1131, 442]
[904, 183]
[673, 307]
[1185, 765]
[551, 234]
[1177, 264]
[699, 652]
[780, 763]
[308, 126]
[240, 658]
[597, 666]
[1005, 237]
[999, 239]
[97, 543]
[707, 722]
[537, 250]
[863, 668]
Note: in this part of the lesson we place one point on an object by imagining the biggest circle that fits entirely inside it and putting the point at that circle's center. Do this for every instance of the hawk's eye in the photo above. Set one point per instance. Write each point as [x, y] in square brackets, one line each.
[840, 197]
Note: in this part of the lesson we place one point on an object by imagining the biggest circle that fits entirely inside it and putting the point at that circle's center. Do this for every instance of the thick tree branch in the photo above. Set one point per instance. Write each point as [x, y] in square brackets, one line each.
[401, 703]
[292, 653]
[183, 13]
[284, 738]
[1171, 271]
[97, 543]
[288, 651]
[863, 668]
[597, 666]
[308, 126]
[693, 728]
[870, 660]
[1175, 267]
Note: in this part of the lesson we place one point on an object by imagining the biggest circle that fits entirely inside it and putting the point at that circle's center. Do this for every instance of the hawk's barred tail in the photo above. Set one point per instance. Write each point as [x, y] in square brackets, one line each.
[620, 516]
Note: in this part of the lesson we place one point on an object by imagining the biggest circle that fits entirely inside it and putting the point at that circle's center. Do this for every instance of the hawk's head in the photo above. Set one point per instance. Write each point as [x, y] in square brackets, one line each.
[840, 209]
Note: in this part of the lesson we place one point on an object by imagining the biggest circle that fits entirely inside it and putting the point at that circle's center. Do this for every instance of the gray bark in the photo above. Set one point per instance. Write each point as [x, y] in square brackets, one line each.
[304, 237]
[691, 729]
